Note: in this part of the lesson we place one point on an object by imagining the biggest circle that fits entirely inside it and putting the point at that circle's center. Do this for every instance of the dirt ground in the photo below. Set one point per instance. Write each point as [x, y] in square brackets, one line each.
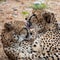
[11, 10]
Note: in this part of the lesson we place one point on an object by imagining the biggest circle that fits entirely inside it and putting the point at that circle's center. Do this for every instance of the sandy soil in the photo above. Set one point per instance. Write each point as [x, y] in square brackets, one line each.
[11, 10]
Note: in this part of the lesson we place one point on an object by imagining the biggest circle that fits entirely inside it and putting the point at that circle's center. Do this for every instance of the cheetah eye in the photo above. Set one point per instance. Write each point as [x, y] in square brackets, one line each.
[36, 42]
[34, 15]
[24, 31]
[31, 20]
[15, 37]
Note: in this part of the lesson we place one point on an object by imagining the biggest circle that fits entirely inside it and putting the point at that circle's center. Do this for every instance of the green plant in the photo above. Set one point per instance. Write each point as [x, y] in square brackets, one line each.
[25, 13]
[39, 6]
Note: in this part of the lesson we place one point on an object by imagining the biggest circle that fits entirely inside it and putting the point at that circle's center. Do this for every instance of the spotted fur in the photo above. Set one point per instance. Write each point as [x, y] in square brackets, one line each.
[20, 42]
[48, 45]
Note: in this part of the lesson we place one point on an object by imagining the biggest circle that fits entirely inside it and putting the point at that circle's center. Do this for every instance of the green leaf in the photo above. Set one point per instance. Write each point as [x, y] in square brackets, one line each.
[39, 6]
[35, 6]
[25, 13]
[42, 6]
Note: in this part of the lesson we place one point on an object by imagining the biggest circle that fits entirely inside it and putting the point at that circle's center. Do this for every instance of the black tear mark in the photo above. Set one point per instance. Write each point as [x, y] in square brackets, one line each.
[29, 20]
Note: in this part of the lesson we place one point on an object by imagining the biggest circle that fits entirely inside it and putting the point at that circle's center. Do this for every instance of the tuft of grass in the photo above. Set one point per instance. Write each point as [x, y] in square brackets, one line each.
[39, 6]
[25, 13]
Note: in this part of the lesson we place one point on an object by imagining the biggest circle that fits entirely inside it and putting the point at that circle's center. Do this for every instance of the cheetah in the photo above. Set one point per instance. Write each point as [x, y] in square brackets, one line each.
[44, 47]
[48, 44]
[17, 40]
[11, 31]
[40, 22]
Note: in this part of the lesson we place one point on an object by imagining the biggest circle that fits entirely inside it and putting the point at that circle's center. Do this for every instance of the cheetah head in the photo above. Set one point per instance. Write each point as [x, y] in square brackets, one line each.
[13, 33]
[45, 21]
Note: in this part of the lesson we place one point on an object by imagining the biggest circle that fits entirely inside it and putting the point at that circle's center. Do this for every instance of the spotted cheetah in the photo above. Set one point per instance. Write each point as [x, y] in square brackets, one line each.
[11, 32]
[42, 22]
[17, 40]
[44, 47]
[48, 44]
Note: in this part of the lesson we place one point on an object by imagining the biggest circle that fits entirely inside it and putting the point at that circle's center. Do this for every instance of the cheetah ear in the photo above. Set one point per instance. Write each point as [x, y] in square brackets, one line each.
[47, 17]
[53, 16]
[8, 27]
